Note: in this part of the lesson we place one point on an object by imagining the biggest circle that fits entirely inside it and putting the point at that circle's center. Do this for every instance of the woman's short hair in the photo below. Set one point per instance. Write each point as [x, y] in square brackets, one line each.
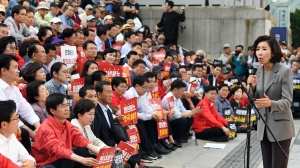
[56, 67]
[83, 106]
[32, 90]
[276, 53]
[86, 66]
[30, 70]
[116, 81]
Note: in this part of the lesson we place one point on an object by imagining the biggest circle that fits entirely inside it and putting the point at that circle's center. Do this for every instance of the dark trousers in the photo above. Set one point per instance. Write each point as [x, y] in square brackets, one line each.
[145, 141]
[25, 141]
[186, 131]
[151, 128]
[170, 41]
[271, 153]
[213, 134]
[178, 127]
[63, 163]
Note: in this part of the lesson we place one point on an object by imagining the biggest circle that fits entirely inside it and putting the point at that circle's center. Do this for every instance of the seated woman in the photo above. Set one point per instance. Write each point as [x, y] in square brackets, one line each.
[109, 55]
[84, 111]
[37, 94]
[33, 71]
[209, 125]
[90, 66]
[119, 87]
[57, 136]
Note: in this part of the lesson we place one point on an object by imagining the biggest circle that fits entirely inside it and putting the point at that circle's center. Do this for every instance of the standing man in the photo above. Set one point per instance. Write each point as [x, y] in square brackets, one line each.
[170, 22]
[224, 56]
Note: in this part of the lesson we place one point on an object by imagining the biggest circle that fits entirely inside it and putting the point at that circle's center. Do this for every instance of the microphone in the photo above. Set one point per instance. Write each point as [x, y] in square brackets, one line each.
[253, 68]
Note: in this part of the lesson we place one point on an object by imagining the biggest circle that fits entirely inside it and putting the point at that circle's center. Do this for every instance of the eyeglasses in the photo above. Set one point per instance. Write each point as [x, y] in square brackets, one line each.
[92, 48]
[44, 90]
[143, 87]
[64, 106]
[123, 87]
[162, 39]
[17, 118]
[2, 13]
[213, 94]
[65, 71]
[141, 67]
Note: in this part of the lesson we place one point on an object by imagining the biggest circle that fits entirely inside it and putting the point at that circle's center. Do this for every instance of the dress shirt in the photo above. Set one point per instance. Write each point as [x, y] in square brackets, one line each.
[23, 108]
[105, 111]
[145, 109]
[11, 148]
[83, 17]
[178, 106]
[66, 21]
[53, 87]
[126, 48]
[99, 43]
[148, 63]
[220, 104]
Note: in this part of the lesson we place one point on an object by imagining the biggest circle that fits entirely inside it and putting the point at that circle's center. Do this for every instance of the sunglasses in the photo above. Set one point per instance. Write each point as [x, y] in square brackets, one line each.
[2, 13]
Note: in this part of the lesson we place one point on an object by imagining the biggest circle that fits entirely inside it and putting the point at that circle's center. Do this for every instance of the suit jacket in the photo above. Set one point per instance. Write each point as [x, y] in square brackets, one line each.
[210, 78]
[102, 130]
[279, 89]
[107, 44]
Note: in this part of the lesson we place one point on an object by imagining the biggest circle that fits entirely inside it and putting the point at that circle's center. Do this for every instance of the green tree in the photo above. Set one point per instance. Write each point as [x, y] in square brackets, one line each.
[295, 26]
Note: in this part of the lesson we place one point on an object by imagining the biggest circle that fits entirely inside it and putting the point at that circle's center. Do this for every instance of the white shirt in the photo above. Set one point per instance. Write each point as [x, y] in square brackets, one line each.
[57, 59]
[99, 43]
[126, 65]
[104, 109]
[120, 37]
[24, 109]
[34, 30]
[126, 48]
[83, 17]
[145, 109]
[11, 148]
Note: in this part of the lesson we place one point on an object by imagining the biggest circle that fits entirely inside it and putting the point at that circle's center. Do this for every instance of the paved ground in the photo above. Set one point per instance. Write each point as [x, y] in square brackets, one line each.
[192, 156]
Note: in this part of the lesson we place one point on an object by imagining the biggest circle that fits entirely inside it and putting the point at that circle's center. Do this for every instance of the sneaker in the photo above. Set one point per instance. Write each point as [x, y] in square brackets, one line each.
[152, 154]
[145, 158]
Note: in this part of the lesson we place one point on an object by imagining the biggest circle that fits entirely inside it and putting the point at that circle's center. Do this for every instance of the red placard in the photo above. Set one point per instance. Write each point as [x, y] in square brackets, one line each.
[171, 106]
[153, 62]
[126, 75]
[160, 55]
[129, 111]
[154, 93]
[105, 157]
[133, 134]
[192, 87]
[76, 85]
[117, 46]
[21, 86]
[111, 71]
[156, 105]
[76, 26]
[127, 150]
[166, 68]
[162, 129]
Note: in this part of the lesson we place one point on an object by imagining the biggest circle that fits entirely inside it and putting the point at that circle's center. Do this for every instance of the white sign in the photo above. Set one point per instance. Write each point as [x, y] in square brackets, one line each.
[69, 55]
[283, 16]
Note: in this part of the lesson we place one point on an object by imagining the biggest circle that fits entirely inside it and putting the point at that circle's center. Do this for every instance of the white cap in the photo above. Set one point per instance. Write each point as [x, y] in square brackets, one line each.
[55, 20]
[108, 17]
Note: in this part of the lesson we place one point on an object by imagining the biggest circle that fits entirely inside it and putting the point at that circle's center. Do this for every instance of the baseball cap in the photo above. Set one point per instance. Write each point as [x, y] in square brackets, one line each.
[108, 17]
[90, 7]
[57, 40]
[89, 18]
[2, 8]
[224, 70]
[55, 20]
[283, 42]
[156, 69]
[54, 4]
[226, 46]
[130, 21]
[161, 46]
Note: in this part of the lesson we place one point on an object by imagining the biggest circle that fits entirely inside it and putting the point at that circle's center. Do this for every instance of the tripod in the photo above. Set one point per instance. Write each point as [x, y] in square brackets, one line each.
[249, 106]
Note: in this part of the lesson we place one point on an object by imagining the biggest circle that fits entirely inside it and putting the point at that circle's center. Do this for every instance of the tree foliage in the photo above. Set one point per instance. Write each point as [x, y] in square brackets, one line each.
[295, 26]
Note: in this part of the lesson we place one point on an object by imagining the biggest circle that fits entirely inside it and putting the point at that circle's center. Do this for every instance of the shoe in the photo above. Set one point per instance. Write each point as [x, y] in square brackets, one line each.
[153, 155]
[162, 147]
[184, 140]
[160, 151]
[145, 158]
[167, 146]
[177, 144]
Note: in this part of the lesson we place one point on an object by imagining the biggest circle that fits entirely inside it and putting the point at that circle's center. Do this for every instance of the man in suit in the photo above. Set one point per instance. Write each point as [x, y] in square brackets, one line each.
[103, 125]
[212, 77]
[111, 33]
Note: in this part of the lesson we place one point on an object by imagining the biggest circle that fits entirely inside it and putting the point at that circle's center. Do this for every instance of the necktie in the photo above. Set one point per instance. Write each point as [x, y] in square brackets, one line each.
[108, 112]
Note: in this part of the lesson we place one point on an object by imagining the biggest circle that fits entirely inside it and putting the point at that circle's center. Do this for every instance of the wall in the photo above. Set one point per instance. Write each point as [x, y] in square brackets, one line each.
[209, 28]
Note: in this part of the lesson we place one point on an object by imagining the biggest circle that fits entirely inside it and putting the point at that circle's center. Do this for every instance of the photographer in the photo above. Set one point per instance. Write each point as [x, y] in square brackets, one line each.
[240, 61]
[169, 23]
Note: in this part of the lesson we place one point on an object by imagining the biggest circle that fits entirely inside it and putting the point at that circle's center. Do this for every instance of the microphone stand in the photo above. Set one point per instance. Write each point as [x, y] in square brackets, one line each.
[251, 103]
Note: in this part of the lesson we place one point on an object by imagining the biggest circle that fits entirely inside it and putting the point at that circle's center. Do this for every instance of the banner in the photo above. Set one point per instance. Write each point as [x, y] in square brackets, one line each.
[111, 71]
[133, 134]
[226, 113]
[153, 62]
[126, 75]
[105, 157]
[240, 115]
[231, 126]
[117, 46]
[129, 111]
[154, 93]
[80, 53]
[69, 55]
[162, 129]
[118, 161]
[166, 69]
[160, 55]
[127, 150]
[157, 106]
[76, 84]
[171, 106]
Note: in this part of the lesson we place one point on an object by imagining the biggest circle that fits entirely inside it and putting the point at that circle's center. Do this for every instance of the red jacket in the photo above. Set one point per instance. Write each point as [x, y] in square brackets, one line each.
[54, 141]
[6, 162]
[208, 118]
[80, 65]
[161, 88]
[116, 100]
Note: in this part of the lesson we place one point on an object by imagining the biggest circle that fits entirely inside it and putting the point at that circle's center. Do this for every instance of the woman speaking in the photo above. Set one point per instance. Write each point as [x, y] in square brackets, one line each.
[273, 89]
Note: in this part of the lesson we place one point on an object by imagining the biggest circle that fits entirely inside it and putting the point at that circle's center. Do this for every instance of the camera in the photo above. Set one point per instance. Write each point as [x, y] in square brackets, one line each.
[182, 27]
